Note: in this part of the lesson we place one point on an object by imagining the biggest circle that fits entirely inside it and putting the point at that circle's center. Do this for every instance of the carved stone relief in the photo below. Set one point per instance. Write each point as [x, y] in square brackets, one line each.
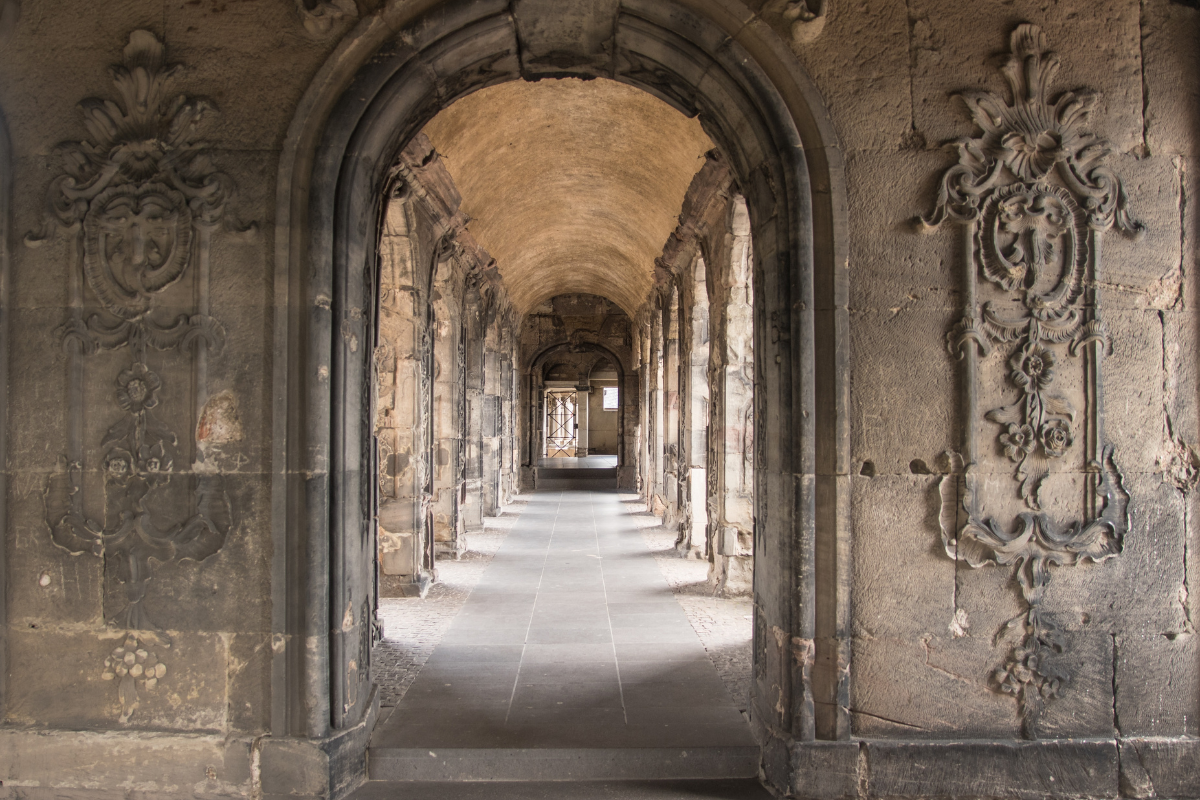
[141, 199]
[1033, 198]
[804, 19]
[319, 16]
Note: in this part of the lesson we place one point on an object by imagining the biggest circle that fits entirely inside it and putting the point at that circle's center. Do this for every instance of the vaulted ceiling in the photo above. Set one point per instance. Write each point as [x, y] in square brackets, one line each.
[571, 185]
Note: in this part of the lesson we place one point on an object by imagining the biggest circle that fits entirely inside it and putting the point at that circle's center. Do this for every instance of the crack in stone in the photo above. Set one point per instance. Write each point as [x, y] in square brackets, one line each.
[929, 651]
[864, 771]
[1142, 75]
[1116, 722]
[887, 719]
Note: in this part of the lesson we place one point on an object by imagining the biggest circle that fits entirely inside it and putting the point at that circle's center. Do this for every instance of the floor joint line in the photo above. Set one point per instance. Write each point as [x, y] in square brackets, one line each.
[608, 613]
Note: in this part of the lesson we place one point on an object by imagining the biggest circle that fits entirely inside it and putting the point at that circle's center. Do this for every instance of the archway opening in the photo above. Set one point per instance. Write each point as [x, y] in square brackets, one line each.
[756, 105]
[533, 235]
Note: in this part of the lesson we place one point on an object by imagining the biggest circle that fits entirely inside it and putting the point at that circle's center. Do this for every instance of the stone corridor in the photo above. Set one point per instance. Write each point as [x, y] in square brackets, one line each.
[571, 658]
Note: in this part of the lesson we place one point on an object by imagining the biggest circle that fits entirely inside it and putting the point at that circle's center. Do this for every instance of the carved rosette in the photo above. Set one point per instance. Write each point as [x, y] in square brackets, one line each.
[1033, 198]
[141, 198]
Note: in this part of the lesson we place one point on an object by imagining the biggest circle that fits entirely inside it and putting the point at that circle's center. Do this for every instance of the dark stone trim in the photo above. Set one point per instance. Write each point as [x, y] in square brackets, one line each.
[6, 172]
[1036, 770]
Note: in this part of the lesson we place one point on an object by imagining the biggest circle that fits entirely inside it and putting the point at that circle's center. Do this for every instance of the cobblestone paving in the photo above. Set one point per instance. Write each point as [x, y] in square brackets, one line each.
[724, 624]
[412, 627]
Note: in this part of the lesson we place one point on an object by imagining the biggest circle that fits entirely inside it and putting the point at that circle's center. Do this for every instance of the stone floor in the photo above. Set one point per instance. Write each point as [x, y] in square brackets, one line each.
[570, 641]
[556, 790]
[412, 627]
[724, 624]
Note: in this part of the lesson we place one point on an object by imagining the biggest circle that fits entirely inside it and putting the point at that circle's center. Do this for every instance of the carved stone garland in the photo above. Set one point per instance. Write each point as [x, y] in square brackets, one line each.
[1033, 198]
[141, 199]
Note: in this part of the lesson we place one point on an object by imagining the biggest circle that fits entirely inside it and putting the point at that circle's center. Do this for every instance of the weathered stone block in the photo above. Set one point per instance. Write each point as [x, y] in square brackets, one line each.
[56, 680]
[1167, 59]
[1157, 690]
[952, 46]
[903, 405]
[160, 764]
[1158, 768]
[1023, 770]
[827, 770]
[899, 686]
[868, 96]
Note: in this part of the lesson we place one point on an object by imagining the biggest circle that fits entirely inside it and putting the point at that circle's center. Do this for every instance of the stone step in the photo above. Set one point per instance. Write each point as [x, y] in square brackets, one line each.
[729, 789]
[566, 473]
[562, 764]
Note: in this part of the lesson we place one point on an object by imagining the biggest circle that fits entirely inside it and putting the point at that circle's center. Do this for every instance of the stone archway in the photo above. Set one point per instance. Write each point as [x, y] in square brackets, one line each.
[390, 77]
[532, 384]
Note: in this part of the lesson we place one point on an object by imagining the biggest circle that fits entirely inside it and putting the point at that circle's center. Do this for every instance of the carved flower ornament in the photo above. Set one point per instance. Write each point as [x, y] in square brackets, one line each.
[1018, 441]
[1057, 437]
[134, 666]
[138, 388]
[1032, 367]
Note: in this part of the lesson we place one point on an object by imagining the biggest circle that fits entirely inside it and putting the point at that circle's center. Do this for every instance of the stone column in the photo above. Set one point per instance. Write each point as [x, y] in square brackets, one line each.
[693, 539]
[582, 410]
[490, 447]
[507, 421]
[471, 508]
[401, 399]
[654, 496]
[447, 402]
[671, 443]
[731, 427]
[642, 457]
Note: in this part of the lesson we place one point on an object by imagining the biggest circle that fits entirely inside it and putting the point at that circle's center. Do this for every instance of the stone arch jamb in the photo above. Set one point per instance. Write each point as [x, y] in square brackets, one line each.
[390, 75]
[6, 187]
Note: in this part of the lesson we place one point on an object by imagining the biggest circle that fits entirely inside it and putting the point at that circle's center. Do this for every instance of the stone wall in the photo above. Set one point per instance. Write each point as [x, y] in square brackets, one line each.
[168, 484]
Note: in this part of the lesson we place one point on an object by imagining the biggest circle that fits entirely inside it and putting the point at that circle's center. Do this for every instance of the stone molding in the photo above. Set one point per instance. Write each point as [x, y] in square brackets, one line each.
[1103, 767]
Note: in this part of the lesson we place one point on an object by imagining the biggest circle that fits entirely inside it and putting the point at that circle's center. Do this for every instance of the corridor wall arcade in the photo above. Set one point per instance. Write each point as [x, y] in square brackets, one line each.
[265, 362]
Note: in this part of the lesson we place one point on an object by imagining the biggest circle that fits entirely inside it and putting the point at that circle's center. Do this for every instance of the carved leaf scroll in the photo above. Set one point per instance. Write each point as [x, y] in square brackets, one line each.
[1034, 195]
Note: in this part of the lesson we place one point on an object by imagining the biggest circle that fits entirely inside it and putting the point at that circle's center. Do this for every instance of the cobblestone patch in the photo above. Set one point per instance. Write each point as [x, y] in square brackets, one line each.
[412, 627]
[724, 624]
